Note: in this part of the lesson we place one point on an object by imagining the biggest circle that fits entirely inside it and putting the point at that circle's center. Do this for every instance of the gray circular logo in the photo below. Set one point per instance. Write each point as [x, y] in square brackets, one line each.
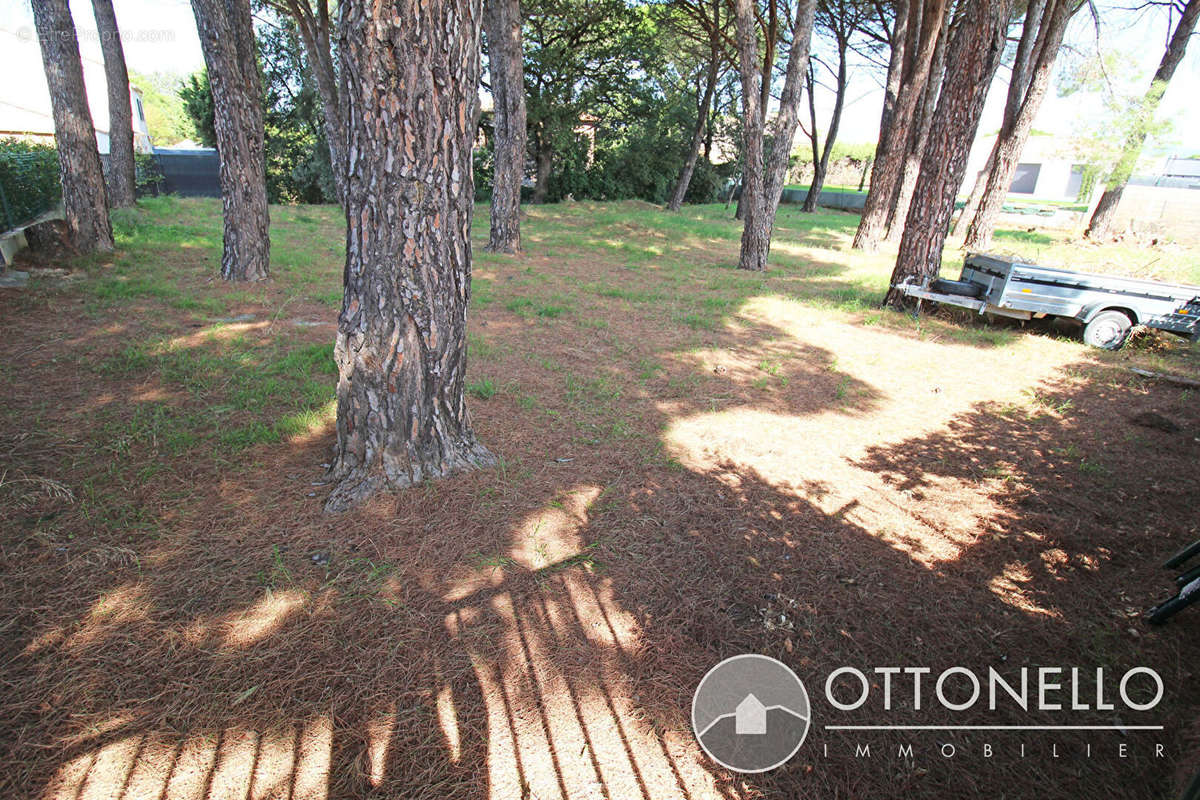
[750, 713]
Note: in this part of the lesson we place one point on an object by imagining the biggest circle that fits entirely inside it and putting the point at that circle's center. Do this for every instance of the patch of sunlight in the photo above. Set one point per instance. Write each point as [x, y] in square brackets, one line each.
[545, 538]
[563, 719]
[448, 720]
[304, 426]
[220, 331]
[1010, 587]
[263, 618]
[379, 740]
[551, 535]
[126, 605]
[234, 762]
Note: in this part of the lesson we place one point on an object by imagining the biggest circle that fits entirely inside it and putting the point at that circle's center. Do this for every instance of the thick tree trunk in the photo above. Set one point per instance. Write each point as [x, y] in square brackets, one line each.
[922, 122]
[412, 101]
[1015, 132]
[227, 39]
[1018, 85]
[121, 180]
[689, 164]
[971, 61]
[895, 71]
[84, 198]
[1105, 212]
[502, 19]
[889, 159]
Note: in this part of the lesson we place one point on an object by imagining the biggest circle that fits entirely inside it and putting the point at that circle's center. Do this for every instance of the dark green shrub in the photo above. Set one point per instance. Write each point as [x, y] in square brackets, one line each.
[147, 175]
[29, 181]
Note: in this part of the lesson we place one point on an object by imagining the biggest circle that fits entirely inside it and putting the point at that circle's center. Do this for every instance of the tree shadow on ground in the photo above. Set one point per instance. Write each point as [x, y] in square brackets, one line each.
[500, 635]
[537, 630]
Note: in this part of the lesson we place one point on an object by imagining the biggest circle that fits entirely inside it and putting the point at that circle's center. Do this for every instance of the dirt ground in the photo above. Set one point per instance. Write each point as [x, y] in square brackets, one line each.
[694, 463]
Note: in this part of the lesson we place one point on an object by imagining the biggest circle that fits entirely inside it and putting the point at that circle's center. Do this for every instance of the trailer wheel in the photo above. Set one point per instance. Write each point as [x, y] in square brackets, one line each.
[961, 288]
[1108, 330]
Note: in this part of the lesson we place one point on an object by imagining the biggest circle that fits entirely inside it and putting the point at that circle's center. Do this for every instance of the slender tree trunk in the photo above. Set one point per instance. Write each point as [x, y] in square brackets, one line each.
[787, 120]
[545, 162]
[835, 124]
[1106, 209]
[818, 177]
[920, 134]
[120, 113]
[689, 165]
[889, 160]
[972, 59]
[412, 101]
[750, 201]
[502, 19]
[84, 198]
[1013, 135]
[1018, 85]
[227, 38]
[314, 31]
[763, 185]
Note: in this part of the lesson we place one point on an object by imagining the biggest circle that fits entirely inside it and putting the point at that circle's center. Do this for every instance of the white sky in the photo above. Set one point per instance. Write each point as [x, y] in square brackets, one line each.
[160, 35]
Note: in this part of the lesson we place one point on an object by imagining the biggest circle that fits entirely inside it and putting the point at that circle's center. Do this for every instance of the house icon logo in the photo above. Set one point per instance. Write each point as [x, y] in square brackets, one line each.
[750, 718]
[750, 713]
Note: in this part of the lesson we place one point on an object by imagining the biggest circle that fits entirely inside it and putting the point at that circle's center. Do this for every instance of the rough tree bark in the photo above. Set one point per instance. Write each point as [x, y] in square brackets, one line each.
[698, 133]
[760, 199]
[971, 62]
[227, 38]
[1018, 84]
[897, 42]
[1013, 135]
[1106, 209]
[502, 19]
[919, 134]
[411, 100]
[121, 179]
[889, 158]
[84, 198]
[315, 28]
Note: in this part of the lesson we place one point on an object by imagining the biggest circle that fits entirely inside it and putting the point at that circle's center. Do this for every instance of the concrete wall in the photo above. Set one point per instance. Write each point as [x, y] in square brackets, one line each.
[1161, 211]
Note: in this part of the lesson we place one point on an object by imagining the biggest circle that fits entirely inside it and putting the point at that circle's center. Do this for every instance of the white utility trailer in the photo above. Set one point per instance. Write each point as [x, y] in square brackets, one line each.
[1107, 306]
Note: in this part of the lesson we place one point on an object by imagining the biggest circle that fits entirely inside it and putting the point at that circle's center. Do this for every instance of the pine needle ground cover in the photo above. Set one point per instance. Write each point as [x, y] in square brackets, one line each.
[694, 462]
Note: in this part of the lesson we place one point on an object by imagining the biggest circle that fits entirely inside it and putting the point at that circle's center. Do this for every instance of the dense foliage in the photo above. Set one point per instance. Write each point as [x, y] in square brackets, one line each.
[297, 157]
[166, 118]
[29, 181]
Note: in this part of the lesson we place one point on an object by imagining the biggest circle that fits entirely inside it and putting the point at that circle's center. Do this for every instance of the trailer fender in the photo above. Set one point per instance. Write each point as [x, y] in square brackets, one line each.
[1090, 313]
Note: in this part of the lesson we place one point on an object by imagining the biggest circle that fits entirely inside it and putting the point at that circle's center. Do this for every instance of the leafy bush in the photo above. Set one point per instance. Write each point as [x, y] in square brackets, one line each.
[147, 175]
[29, 181]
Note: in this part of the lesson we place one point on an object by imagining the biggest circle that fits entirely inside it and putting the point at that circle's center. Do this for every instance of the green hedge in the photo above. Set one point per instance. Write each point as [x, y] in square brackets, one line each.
[29, 181]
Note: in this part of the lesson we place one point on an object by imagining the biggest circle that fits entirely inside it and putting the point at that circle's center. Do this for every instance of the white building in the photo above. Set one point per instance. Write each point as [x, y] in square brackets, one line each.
[1043, 172]
[25, 99]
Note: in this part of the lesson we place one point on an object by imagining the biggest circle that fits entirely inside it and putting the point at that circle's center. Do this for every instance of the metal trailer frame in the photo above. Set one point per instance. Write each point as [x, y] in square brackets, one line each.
[1026, 291]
